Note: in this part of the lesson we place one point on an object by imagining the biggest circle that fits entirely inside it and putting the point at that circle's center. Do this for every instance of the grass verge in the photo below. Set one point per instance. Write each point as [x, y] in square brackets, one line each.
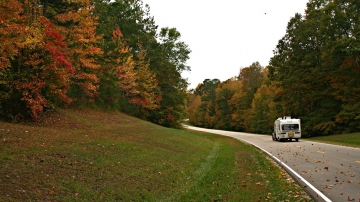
[88, 155]
[349, 139]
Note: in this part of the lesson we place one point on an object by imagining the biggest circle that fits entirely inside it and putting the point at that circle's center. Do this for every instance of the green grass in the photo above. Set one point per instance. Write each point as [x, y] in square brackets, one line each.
[349, 139]
[88, 155]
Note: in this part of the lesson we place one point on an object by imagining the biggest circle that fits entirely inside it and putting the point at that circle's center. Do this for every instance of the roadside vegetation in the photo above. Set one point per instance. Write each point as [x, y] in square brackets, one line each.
[90, 155]
[348, 139]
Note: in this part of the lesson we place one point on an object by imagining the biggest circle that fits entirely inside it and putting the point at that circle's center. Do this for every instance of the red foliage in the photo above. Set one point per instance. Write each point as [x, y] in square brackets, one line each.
[82, 38]
[117, 34]
[111, 99]
[170, 117]
[139, 101]
[53, 41]
[32, 96]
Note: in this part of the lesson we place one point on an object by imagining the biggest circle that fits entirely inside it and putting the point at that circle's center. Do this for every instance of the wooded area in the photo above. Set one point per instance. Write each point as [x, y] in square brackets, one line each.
[314, 75]
[110, 55]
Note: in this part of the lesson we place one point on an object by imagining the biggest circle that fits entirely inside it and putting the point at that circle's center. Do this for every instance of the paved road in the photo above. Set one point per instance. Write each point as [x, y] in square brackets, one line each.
[327, 172]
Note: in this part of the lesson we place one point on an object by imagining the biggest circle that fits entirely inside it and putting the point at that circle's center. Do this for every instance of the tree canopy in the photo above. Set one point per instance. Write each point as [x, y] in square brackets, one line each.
[104, 54]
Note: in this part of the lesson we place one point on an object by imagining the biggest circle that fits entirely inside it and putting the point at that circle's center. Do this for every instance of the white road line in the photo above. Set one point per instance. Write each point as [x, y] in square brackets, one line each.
[282, 163]
[295, 173]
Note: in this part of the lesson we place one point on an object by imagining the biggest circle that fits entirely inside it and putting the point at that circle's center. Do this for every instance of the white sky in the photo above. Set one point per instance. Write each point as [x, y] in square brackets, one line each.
[225, 35]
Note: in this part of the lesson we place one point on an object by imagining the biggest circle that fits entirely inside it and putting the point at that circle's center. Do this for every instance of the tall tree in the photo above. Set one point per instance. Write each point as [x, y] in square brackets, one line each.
[263, 108]
[167, 66]
[193, 108]
[341, 56]
[81, 37]
[147, 98]
[312, 53]
[11, 31]
[251, 78]
[205, 115]
[165, 52]
[224, 92]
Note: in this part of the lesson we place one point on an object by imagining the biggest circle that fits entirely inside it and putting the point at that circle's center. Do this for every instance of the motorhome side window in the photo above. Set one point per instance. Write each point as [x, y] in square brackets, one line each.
[290, 127]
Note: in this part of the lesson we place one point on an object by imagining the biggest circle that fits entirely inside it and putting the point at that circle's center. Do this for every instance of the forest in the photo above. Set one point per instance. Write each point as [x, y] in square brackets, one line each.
[313, 75]
[111, 55]
[100, 54]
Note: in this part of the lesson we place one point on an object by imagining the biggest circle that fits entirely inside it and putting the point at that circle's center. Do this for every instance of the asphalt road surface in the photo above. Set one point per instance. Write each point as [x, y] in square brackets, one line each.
[327, 172]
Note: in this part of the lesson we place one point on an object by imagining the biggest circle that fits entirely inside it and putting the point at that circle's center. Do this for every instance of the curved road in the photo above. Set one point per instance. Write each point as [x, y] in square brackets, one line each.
[327, 172]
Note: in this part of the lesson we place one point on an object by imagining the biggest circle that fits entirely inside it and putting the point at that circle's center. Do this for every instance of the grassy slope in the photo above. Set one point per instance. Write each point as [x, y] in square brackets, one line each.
[107, 156]
[349, 139]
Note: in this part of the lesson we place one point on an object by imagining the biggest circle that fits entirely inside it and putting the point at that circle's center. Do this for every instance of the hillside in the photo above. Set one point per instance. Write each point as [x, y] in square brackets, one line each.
[107, 156]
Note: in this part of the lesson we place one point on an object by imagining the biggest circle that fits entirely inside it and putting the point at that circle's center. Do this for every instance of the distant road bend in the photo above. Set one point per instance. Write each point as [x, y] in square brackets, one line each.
[327, 172]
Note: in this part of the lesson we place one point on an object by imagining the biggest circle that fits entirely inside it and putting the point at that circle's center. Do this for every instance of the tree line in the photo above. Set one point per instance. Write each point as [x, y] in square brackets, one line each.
[314, 75]
[98, 53]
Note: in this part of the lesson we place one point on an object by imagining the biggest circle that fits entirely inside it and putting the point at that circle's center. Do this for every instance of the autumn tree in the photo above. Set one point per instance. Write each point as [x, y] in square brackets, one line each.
[194, 102]
[12, 28]
[147, 98]
[11, 31]
[55, 52]
[36, 71]
[227, 105]
[165, 54]
[80, 31]
[235, 104]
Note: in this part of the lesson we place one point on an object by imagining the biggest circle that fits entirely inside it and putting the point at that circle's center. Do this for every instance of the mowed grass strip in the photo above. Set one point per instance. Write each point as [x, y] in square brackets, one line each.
[88, 155]
[348, 139]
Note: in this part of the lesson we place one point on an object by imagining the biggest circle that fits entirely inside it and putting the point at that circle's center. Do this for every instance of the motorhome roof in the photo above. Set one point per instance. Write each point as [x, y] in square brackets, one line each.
[284, 118]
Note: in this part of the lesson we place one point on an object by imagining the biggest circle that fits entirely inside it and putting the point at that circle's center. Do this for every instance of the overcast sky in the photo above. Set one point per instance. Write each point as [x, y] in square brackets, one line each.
[226, 35]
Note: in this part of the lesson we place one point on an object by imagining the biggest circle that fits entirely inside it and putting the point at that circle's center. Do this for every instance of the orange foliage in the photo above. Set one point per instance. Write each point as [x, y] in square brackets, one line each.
[83, 40]
[32, 96]
[11, 30]
[33, 51]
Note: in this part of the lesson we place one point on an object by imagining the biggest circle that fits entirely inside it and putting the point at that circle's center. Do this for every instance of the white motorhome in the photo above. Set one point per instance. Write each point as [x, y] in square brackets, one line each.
[286, 129]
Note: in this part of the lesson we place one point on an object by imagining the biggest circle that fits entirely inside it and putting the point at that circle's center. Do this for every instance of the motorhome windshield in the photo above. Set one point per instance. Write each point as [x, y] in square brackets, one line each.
[290, 127]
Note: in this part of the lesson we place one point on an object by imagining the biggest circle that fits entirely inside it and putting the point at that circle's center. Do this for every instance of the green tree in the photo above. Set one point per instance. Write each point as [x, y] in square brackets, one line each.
[307, 64]
[224, 93]
[251, 78]
[263, 111]
[206, 112]
[165, 53]
[167, 66]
